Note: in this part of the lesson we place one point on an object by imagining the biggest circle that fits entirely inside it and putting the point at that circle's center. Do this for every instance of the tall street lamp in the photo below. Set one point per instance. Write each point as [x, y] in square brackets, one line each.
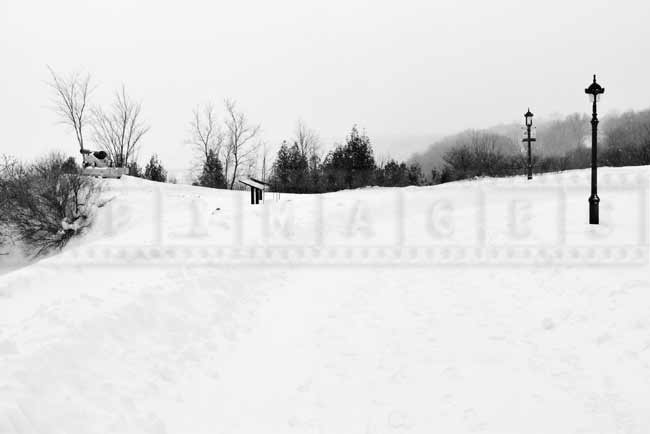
[529, 123]
[594, 91]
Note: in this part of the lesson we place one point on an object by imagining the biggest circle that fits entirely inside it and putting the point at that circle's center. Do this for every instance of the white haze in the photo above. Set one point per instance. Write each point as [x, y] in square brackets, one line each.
[402, 71]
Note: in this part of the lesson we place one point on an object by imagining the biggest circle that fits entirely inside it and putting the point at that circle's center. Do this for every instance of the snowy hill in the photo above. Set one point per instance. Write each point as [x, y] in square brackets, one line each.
[480, 306]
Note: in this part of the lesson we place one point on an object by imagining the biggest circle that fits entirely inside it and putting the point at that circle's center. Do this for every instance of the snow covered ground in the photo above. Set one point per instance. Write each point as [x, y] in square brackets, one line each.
[485, 306]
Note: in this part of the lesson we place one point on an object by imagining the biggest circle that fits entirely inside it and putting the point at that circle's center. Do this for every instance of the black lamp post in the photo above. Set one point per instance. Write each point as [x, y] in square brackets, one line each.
[594, 91]
[529, 123]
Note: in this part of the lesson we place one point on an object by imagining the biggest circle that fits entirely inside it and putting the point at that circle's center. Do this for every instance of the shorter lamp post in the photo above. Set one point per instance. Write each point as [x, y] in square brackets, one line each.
[529, 123]
[594, 91]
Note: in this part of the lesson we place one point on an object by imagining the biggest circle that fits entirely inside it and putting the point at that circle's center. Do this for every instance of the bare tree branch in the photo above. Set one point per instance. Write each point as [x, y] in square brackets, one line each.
[307, 140]
[205, 133]
[119, 131]
[70, 101]
[241, 146]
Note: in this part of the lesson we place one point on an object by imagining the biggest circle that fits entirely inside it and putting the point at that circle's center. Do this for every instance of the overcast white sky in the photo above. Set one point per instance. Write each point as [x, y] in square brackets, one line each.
[410, 68]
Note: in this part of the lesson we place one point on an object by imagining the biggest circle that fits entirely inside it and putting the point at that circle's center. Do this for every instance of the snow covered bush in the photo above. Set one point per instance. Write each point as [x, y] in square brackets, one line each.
[45, 204]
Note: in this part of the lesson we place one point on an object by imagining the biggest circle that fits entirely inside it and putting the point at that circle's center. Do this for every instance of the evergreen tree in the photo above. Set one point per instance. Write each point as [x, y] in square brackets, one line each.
[281, 169]
[395, 174]
[415, 175]
[70, 166]
[155, 170]
[351, 165]
[134, 169]
[361, 164]
[315, 174]
[299, 170]
[212, 174]
[291, 170]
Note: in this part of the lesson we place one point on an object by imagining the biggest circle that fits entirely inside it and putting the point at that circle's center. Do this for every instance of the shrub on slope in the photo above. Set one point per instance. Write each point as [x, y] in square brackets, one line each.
[46, 203]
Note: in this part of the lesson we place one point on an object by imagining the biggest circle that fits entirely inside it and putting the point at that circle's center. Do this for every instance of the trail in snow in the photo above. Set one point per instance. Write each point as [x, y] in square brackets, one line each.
[338, 348]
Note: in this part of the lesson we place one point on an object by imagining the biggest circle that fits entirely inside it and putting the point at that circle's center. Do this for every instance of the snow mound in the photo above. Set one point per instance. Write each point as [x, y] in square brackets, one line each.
[479, 306]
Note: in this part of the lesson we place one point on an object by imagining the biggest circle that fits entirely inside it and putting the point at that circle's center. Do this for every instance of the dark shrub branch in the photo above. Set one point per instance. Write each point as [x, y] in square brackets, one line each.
[45, 204]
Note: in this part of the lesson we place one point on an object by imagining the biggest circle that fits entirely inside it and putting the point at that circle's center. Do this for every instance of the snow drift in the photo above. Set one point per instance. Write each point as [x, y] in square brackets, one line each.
[479, 306]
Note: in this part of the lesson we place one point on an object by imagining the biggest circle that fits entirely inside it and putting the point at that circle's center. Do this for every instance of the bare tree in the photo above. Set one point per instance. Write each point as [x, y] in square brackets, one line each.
[120, 130]
[307, 140]
[70, 100]
[241, 146]
[205, 132]
[265, 168]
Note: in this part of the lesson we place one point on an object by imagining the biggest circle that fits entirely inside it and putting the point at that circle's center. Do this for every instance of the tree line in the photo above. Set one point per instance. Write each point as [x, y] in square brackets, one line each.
[47, 202]
[300, 169]
[562, 144]
[224, 149]
[227, 145]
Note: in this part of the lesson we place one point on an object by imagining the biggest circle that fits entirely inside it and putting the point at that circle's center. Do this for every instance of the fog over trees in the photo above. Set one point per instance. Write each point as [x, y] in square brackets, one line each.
[562, 144]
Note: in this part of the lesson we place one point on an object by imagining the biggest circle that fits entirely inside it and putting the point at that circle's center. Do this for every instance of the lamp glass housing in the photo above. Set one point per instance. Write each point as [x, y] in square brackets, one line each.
[591, 97]
[528, 116]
